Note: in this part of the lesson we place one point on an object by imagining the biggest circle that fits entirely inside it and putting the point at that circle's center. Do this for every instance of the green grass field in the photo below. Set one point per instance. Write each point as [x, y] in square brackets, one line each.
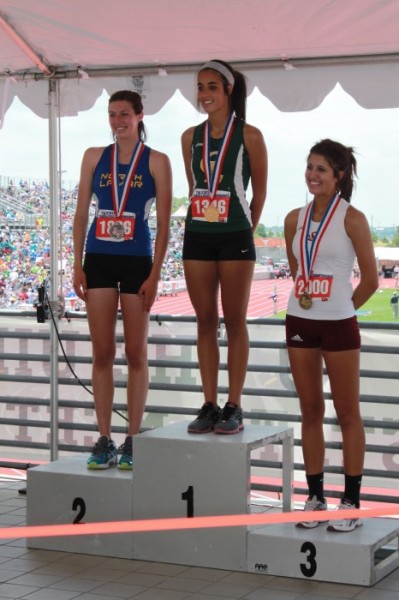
[378, 308]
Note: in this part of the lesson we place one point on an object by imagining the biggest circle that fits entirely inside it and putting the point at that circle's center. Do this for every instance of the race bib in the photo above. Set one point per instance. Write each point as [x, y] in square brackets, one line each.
[318, 286]
[115, 229]
[203, 208]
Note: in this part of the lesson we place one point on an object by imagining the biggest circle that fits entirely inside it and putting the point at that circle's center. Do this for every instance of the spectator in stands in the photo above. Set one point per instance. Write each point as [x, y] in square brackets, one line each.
[323, 240]
[220, 157]
[30, 244]
[120, 269]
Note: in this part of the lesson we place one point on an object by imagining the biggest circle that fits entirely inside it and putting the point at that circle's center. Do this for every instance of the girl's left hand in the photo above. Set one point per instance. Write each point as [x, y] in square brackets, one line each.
[148, 292]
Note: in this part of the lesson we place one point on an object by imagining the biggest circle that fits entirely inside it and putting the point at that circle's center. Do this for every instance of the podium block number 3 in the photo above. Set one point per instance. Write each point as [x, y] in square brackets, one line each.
[310, 567]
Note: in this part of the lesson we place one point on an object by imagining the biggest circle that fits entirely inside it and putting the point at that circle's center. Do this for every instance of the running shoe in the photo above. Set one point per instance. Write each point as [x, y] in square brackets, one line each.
[207, 416]
[103, 454]
[230, 420]
[312, 504]
[344, 525]
[126, 450]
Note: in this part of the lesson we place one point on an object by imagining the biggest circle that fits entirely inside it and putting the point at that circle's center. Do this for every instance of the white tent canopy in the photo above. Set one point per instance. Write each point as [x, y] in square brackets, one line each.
[294, 51]
[58, 56]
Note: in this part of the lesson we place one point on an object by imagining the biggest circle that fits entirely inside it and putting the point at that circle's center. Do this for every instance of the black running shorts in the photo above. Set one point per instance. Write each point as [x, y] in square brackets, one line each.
[229, 245]
[126, 273]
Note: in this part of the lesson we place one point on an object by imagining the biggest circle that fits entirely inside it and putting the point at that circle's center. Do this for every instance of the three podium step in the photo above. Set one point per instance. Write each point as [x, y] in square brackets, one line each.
[181, 475]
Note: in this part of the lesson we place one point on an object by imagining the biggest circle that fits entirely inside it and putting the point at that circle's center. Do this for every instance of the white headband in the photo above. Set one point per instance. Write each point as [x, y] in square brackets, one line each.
[216, 66]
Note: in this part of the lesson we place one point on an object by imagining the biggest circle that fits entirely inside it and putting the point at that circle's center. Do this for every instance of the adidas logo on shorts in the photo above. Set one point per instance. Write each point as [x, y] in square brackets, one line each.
[297, 338]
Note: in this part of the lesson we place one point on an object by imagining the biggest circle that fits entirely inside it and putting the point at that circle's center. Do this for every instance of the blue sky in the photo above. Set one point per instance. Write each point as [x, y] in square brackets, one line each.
[373, 133]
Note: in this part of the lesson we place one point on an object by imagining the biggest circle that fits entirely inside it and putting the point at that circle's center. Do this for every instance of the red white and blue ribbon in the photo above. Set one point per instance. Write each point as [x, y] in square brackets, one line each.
[213, 178]
[309, 249]
[120, 193]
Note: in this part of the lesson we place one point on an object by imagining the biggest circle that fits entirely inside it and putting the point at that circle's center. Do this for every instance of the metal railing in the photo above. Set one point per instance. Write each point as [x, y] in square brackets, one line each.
[175, 394]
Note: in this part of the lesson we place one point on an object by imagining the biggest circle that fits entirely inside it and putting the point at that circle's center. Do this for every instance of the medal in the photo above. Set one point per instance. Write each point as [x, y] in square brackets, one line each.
[117, 231]
[213, 175]
[119, 201]
[308, 250]
[211, 214]
[217, 208]
[305, 301]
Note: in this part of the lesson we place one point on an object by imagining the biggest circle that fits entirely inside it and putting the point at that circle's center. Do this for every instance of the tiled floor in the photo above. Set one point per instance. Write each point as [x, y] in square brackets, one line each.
[47, 575]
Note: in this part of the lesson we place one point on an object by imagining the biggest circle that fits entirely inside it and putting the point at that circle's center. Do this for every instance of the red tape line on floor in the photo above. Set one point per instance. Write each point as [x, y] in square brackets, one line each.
[192, 523]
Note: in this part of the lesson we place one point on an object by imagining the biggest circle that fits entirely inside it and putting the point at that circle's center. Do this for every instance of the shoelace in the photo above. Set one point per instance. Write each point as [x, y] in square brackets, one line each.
[345, 506]
[100, 447]
[205, 410]
[227, 412]
[311, 504]
[126, 447]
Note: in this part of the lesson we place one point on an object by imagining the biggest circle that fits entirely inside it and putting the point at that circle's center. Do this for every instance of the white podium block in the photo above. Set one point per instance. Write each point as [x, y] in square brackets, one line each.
[66, 492]
[177, 474]
[360, 557]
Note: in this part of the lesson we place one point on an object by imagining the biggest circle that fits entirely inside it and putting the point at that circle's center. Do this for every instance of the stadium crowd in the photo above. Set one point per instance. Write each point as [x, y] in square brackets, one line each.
[25, 244]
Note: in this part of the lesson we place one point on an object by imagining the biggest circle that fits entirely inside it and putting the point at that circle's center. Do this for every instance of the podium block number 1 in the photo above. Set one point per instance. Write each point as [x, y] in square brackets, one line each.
[188, 495]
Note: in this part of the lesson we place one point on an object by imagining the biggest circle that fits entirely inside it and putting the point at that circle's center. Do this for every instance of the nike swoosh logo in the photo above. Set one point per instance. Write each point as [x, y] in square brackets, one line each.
[245, 250]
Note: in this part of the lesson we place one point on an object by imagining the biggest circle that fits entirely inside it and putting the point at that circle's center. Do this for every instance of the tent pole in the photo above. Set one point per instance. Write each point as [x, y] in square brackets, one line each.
[54, 194]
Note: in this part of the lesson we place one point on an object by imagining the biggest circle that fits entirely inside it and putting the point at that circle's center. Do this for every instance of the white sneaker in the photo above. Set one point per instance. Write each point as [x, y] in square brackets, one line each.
[344, 525]
[312, 504]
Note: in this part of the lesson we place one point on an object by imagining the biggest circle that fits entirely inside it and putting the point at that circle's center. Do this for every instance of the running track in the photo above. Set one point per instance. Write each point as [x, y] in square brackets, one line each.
[260, 303]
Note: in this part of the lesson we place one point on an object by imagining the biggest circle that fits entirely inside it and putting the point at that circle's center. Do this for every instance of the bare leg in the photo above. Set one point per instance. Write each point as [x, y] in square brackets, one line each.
[203, 284]
[343, 371]
[102, 306]
[235, 282]
[135, 325]
[307, 370]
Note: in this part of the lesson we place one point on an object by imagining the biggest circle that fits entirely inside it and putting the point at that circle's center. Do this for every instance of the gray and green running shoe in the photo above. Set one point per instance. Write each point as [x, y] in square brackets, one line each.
[103, 455]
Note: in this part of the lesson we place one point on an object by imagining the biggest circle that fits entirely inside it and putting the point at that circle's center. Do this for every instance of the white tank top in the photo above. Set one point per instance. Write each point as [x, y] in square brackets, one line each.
[331, 287]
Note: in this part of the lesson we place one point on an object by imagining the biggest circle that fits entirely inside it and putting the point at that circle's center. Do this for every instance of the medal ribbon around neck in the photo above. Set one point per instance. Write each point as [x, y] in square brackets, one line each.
[308, 255]
[212, 179]
[119, 200]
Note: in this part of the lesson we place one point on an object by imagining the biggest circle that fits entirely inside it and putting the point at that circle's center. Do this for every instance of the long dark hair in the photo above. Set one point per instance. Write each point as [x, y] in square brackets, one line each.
[135, 100]
[341, 159]
[238, 96]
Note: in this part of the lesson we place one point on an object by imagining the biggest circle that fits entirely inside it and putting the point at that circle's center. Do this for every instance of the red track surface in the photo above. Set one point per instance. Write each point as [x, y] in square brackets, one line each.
[260, 303]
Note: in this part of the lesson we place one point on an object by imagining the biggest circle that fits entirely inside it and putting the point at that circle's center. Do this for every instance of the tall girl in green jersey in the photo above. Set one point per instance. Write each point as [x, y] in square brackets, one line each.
[221, 156]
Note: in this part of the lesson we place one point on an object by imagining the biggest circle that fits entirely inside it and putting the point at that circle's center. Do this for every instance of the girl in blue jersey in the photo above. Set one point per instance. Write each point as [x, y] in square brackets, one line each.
[221, 156]
[114, 266]
[323, 240]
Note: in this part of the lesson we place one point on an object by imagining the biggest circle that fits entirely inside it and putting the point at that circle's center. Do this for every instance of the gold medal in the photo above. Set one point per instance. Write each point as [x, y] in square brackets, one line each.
[305, 301]
[211, 213]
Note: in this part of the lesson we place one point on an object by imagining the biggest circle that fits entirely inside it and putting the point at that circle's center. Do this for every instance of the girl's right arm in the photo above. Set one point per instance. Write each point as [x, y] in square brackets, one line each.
[186, 142]
[290, 225]
[85, 191]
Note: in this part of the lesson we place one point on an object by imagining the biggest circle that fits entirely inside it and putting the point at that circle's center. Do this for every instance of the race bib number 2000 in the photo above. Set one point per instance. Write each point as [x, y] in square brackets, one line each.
[318, 286]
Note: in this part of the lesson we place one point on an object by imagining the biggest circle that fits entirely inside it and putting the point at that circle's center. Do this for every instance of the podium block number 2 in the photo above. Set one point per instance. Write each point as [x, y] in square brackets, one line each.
[80, 504]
